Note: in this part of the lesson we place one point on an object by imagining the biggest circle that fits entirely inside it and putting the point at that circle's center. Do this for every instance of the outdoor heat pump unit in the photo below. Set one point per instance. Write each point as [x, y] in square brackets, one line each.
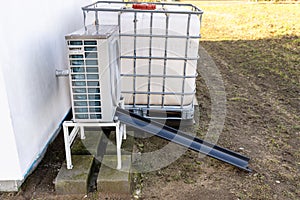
[94, 73]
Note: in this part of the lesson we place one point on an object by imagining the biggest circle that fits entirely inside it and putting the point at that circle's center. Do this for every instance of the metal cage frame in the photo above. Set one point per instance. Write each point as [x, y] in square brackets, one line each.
[185, 111]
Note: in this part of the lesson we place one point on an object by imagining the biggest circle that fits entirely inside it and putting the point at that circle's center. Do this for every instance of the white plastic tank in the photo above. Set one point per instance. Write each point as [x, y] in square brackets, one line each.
[163, 75]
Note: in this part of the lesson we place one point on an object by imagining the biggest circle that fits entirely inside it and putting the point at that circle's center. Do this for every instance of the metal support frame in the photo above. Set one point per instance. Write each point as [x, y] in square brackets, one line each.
[187, 112]
[79, 127]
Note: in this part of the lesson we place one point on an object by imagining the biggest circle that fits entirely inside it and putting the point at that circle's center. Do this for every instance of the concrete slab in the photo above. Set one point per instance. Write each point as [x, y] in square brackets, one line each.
[115, 181]
[10, 186]
[76, 180]
[90, 145]
[127, 146]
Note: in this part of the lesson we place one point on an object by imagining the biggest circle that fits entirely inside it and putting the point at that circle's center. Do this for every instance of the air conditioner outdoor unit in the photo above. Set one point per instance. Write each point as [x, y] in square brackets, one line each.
[94, 73]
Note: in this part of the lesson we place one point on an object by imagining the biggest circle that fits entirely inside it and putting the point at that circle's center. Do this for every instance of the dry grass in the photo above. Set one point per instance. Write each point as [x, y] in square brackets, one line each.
[276, 27]
[248, 21]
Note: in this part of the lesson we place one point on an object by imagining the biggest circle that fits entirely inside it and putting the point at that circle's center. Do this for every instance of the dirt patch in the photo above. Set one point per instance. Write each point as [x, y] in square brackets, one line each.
[262, 122]
[40, 183]
[257, 50]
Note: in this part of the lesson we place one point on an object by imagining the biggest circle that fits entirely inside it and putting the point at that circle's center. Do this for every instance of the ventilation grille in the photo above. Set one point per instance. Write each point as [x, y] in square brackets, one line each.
[85, 82]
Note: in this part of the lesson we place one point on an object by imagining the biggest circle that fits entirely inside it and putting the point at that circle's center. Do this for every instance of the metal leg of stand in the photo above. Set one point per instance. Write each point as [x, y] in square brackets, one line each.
[67, 147]
[122, 125]
[123, 131]
[118, 142]
[82, 136]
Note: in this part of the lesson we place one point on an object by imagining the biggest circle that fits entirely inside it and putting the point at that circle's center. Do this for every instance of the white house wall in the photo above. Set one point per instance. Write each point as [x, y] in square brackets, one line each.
[32, 47]
[10, 169]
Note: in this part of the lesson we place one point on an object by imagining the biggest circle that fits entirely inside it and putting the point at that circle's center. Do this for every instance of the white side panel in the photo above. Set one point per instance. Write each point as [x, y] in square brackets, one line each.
[32, 47]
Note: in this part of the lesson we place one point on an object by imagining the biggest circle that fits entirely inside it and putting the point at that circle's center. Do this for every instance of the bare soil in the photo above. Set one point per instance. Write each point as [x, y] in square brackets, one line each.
[262, 122]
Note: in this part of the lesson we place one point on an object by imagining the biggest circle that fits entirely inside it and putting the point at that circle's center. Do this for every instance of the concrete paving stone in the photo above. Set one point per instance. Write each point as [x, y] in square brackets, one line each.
[110, 179]
[76, 180]
[88, 146]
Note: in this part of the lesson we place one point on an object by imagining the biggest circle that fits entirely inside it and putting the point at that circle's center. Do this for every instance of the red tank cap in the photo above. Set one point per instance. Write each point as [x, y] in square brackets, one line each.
[144, 6]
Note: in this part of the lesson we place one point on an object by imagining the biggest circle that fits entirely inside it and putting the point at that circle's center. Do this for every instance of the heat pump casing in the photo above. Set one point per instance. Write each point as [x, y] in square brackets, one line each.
[94, 67]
